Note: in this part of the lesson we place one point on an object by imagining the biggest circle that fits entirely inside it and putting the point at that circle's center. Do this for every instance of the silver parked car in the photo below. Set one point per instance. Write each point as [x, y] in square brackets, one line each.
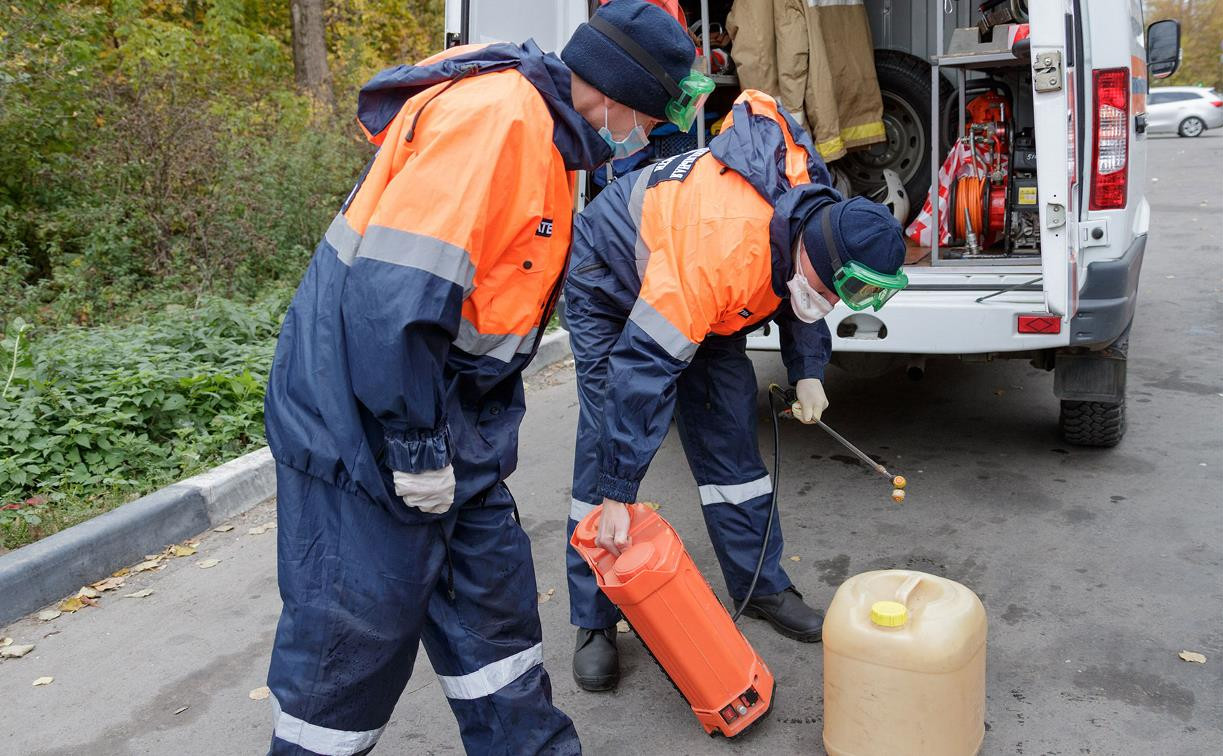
[1187, 111]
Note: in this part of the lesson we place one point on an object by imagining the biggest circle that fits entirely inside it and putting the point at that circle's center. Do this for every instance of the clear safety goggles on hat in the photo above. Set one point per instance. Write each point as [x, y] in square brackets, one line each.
[687, 97]
[858, 285]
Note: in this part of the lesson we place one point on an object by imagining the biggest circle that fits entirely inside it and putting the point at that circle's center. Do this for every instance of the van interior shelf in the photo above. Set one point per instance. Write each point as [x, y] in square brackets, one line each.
[966, 50]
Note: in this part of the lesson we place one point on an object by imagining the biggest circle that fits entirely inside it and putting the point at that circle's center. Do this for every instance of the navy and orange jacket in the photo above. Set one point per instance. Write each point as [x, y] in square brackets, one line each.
[706, 238]
[404, 343]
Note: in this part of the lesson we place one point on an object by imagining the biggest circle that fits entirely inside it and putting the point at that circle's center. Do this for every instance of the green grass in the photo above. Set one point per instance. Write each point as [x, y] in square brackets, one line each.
[94, 417]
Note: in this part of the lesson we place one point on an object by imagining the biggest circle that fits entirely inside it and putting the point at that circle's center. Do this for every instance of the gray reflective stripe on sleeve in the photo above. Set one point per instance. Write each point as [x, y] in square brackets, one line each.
[343, 238]
[579, 509]
[499, 346]
[419, 251]
[662, 331]
[491, 678]
[736, 493]
[636, 205]
[317, 739]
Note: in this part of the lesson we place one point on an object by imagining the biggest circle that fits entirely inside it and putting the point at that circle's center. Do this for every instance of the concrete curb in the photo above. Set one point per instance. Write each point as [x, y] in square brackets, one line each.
[35, 575]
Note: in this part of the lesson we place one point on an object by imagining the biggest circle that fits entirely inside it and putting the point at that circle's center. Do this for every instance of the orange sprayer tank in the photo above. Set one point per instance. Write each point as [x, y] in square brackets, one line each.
[674, 612]
[904, 667]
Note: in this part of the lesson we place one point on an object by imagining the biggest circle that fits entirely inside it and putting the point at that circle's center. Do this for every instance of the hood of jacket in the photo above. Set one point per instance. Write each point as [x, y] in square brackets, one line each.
[383, 96]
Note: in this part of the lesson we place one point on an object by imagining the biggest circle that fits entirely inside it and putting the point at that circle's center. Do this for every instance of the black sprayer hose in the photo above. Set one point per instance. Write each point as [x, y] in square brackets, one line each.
[768, 531]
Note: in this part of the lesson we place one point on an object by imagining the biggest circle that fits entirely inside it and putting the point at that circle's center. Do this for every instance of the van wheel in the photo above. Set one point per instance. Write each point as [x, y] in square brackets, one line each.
[1092, 423]
[1191, 127]
[904, 83]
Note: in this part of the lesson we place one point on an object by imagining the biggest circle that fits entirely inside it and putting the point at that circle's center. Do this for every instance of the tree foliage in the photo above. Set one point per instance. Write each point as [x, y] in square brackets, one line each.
[158, 150]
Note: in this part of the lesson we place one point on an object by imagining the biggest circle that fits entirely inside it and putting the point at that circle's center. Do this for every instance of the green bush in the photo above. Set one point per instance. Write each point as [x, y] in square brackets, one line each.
[91, 417]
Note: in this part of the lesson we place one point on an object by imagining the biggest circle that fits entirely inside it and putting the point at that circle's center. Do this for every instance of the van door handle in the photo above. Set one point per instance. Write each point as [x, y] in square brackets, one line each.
[1140, 123]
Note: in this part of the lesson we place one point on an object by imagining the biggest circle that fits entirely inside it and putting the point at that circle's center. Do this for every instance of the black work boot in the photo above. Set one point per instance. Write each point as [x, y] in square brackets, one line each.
[788, 615]
[596, 662]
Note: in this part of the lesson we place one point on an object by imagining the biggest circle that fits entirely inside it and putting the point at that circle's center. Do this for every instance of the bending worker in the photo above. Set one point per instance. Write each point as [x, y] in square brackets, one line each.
[395, 395]
[671, 267]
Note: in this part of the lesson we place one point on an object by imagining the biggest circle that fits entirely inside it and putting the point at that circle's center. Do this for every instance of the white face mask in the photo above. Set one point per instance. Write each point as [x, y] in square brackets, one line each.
[808, 304]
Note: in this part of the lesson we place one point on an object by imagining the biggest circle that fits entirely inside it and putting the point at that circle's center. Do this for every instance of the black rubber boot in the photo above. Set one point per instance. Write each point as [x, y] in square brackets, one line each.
[788, 615]
[596, 662]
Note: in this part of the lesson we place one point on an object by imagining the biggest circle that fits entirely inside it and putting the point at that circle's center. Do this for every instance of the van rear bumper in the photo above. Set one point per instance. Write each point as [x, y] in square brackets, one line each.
[949, 322]
[1108, 298]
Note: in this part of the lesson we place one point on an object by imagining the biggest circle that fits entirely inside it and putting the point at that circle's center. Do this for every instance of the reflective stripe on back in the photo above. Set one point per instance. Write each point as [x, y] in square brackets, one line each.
[491, 678]
[636, 202]
[419, 251]
[320, 739]
[496, 345]
[343, 238]
[664, 333]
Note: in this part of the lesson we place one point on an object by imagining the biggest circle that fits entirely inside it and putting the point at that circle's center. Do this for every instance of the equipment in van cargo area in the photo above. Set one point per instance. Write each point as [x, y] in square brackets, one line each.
[680, 621]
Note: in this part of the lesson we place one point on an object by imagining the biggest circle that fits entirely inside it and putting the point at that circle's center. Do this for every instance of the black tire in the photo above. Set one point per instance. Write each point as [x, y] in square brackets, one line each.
[904, 82]
[1100, 424]
[1191, 127]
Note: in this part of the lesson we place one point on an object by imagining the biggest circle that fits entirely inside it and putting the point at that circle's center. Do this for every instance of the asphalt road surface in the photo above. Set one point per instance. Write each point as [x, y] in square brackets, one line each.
[1096, 567]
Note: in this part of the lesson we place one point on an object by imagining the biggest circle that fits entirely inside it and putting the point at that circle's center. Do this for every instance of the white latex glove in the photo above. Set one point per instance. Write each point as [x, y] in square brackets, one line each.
[431, 491]
[811, 400]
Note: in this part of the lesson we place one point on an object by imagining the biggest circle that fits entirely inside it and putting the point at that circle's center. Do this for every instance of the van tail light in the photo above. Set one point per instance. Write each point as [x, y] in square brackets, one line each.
[1110, 168]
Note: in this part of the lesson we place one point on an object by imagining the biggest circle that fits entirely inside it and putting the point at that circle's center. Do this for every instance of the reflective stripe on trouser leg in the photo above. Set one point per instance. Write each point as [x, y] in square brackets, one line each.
[485, 643]
[592, 335]
[355, 583]
[716, 416]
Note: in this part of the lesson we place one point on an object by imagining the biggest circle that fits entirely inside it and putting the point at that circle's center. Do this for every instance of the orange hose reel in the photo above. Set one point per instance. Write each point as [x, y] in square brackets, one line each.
[685, 628]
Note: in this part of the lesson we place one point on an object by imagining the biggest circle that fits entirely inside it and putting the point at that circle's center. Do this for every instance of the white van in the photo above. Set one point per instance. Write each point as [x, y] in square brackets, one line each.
[1053, 278]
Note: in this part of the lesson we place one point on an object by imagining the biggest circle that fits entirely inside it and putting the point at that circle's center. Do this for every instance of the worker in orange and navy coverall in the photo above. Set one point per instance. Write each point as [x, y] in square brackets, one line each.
[395, 396]
[671, 266]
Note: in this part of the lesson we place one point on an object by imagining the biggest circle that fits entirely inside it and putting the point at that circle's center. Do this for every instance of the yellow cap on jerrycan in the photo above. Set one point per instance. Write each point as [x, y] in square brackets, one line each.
[904, 667]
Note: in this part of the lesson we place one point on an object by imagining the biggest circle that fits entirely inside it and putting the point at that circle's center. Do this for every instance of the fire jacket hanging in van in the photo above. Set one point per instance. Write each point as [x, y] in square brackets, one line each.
[816, 56]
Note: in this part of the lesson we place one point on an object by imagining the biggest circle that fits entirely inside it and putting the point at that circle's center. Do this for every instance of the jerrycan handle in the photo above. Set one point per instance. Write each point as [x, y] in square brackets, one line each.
[906, 589]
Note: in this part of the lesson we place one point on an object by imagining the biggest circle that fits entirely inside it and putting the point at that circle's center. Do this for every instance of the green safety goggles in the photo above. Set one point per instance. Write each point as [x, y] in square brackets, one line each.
[687, 97]
[858, 285]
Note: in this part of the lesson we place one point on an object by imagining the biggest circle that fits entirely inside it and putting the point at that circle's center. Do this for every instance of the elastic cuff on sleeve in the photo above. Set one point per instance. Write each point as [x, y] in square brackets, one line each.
[617, 489]
[418, 451]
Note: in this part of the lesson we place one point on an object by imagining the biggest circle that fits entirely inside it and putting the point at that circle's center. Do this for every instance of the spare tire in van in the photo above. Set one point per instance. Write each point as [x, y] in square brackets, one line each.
[904, 83]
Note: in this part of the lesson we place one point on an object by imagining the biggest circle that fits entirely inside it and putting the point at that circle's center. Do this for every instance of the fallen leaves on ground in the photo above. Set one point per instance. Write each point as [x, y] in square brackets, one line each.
[1192, 656]
[652, 505]
[121, 572]
[6, 641]
[72, 604]
[223, 528]
[261, 529]
[148, 564]
[622, 626]
[180, 710]
[15, 651]
[88, 592]
[144, 593]
[44, 681]
[258, 694]
[110, 583]
[796, 558]
[544, 597]
[207, 563]
[180, 550]
[47, 615]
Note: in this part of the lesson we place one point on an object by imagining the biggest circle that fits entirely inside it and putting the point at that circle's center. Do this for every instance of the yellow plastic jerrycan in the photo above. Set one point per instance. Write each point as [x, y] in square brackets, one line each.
[904, 667]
